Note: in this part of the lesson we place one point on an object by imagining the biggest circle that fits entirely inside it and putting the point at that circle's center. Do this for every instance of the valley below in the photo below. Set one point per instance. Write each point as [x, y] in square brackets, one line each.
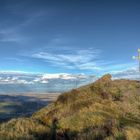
[23, 105]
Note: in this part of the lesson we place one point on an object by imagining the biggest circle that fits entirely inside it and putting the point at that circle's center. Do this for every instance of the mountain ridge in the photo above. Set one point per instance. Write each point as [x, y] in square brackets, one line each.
[104, 110]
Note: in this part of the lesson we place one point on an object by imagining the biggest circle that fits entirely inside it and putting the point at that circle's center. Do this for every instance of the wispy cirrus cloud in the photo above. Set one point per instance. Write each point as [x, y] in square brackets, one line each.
[81, 59]
[8, 35]
[116, 67]
[14, 28]
[71, 59]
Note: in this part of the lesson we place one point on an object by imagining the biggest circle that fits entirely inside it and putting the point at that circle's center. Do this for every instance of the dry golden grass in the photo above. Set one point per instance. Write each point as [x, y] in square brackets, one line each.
[104, 110]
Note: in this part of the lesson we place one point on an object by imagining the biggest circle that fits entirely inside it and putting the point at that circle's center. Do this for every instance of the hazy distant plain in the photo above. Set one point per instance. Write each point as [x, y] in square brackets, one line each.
[21, 105]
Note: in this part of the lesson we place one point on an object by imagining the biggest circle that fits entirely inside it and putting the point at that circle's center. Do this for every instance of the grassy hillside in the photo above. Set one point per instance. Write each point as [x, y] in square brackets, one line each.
[104, 110]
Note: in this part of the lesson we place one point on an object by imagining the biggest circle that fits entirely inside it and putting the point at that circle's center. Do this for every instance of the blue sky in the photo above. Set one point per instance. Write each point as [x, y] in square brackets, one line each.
[69, 36]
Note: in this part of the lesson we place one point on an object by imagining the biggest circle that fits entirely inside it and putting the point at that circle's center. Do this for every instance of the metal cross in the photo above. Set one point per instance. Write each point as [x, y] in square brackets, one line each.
[137, 58]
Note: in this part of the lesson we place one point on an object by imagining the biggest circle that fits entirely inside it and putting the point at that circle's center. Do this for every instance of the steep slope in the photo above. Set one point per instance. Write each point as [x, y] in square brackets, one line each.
[104, 110]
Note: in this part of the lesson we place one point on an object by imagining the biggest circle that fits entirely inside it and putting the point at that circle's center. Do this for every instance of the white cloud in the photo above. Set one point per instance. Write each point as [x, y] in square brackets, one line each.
[13, 80]
[58, 76]
[84, 60]
[89, 66]
[15, 72]
[77, 59]
[131, 73]
[14, 77]
[44, 78]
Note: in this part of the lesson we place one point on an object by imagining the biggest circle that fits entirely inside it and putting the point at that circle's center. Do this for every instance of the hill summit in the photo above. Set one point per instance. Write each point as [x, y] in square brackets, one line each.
[104, 110]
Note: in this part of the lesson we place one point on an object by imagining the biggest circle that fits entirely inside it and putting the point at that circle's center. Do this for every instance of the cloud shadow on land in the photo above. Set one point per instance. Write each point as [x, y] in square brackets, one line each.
[19, 106]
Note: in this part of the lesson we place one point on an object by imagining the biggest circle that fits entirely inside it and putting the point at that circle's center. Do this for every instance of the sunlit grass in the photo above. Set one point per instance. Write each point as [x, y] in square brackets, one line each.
[105, 110]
